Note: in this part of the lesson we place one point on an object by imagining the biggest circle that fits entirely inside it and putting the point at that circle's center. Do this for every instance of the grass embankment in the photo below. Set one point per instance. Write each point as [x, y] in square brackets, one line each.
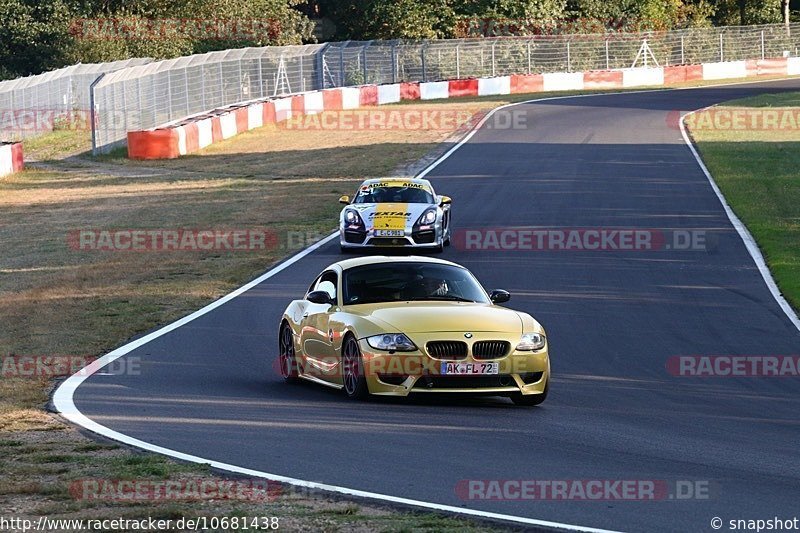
[752, 149]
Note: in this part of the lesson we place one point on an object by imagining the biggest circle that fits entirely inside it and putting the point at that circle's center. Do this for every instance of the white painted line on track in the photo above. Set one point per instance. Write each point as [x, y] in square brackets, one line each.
[63, 397]
[741, 229]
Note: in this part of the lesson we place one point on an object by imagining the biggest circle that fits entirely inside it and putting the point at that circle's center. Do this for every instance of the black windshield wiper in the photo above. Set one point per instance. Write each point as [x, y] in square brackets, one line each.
[443, 299]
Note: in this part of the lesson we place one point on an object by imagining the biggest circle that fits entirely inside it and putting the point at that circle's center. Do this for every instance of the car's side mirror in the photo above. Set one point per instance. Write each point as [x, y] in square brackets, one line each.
[445, 200]
[319, 297]
[499, 296]
[344, 200]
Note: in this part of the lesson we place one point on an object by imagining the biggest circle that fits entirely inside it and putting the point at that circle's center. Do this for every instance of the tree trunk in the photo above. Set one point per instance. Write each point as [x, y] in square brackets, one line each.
[785, 9]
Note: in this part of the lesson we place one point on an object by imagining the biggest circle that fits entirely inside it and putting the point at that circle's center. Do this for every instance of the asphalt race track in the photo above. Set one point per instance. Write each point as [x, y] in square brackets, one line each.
[614, 318]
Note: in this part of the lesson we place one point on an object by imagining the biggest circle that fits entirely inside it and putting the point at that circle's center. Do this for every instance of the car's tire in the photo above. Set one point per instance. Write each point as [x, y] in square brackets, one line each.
[531, 399]
[447, 241]
[286, 354]
[355, 382]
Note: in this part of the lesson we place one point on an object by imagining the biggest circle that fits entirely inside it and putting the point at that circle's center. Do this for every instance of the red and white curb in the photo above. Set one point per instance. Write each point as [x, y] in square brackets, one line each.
[10, 158]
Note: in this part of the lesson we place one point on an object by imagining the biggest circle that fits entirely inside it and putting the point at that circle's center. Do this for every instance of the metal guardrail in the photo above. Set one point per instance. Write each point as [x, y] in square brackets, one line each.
[157, 93]
[28, 105]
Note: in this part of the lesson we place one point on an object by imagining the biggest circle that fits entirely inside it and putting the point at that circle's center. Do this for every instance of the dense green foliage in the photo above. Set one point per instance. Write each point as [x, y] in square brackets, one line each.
[38, 35]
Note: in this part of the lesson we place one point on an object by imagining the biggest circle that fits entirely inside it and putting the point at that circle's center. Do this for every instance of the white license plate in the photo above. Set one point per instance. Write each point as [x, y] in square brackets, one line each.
[470, 369]
[390, 233]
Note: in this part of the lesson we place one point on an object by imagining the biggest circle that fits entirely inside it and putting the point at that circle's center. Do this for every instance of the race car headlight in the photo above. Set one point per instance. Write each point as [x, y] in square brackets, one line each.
[531, 342]
[391, 342]
[352, 217]
[427, 218]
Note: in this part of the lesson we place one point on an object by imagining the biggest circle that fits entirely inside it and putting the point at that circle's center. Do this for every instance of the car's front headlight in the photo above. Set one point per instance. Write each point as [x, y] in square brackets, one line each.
[531, 342]
[427, 218]
[391, 342]
[351, 217]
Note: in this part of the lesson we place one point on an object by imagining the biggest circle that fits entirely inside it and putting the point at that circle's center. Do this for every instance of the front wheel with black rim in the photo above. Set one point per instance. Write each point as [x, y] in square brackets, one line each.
[531, 399]
[286, 354]
[355, 383]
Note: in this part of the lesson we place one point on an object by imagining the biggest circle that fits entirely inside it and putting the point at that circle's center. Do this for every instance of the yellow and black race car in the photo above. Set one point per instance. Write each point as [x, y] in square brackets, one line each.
[395, 212]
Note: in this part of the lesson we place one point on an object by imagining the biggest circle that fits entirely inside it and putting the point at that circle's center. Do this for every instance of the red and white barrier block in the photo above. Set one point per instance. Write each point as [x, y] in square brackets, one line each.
[10, 158]
[198, 132]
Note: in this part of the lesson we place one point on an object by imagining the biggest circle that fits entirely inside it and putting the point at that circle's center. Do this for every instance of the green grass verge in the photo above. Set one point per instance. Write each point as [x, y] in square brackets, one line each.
[758, 171]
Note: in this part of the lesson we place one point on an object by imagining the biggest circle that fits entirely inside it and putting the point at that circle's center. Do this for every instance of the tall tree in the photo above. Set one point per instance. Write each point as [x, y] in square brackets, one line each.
[744, 12]
[33, 36]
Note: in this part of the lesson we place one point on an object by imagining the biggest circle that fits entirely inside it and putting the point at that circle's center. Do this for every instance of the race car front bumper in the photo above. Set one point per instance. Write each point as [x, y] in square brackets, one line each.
[410, 238]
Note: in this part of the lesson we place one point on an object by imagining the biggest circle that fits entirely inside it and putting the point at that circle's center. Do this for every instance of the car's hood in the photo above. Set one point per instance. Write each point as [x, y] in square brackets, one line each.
[421, 317]
[388, 215]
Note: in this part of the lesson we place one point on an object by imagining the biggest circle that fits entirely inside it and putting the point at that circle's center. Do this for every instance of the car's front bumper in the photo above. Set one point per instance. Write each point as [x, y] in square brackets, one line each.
[351, 239]
[401, 374]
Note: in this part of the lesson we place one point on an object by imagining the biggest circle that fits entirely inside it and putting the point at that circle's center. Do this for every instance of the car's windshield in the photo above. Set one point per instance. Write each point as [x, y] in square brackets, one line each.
[407, 193]
[410, 281]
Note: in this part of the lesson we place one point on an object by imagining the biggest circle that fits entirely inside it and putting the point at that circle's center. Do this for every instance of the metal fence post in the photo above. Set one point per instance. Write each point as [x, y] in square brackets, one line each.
[155, 109]
[302, 76]
[221, 85]
[261, 76]
[683, 51]
[721, 54]
[424, 68]
[169, 97]
[393, 49]
[364, 64]
[763, 51]
[186, 85]
[529, 55]
[93, 112]
[202, 87]
[458, 61]
[341, 65]
[608, 62]
[321, 66]
[139, 100]
[241, 84]
[124, 110]
[569, 58]
[493, 61]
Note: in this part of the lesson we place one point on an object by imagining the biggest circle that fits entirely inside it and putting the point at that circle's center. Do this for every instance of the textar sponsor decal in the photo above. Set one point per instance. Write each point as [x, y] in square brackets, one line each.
[390, 214]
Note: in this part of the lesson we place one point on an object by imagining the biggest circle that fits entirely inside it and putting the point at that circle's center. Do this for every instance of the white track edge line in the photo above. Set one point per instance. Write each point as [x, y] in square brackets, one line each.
[63, 400]
[741, 229]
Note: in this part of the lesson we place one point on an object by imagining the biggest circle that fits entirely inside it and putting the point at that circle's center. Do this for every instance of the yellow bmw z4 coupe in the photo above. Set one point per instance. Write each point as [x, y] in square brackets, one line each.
[396, 326]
